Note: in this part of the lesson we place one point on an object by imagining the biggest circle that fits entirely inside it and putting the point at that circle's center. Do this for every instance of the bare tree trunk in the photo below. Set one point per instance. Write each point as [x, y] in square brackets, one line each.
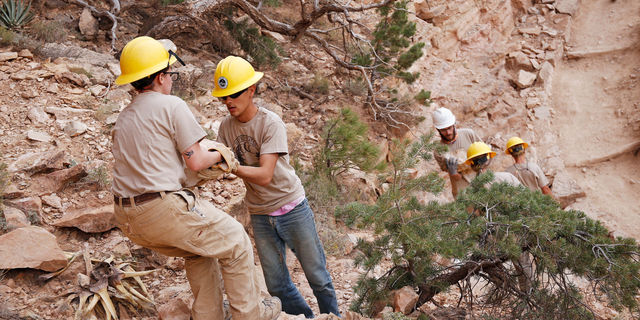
[434, 286]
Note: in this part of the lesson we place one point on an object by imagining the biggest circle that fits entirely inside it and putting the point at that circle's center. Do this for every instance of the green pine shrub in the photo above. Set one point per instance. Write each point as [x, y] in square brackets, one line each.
[346, 145]
[477, 240]
[262, 50]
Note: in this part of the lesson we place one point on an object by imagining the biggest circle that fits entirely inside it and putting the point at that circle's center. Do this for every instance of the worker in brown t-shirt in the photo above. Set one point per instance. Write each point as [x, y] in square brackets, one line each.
[155, 138]
[528, 172]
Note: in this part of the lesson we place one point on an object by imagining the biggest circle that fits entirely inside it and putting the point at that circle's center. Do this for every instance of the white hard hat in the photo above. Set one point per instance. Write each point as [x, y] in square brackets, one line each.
[443, 118]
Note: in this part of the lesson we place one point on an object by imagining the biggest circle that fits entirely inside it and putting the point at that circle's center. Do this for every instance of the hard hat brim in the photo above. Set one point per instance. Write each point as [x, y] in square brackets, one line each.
[491, 155]
[524, 144]
[131, 77]
[237, 88]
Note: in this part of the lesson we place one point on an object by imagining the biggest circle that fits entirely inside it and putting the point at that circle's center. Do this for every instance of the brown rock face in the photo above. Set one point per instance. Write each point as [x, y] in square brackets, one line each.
[90, 220]
[31, 247]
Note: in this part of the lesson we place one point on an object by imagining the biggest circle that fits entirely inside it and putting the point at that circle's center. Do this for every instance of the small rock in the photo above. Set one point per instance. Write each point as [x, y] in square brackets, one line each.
[25, 53]
[97, 89]
[31, 247]
[174, 309]
[525, 79]
[88, 24]
[404, 300]
[533, 102]
[90, 220]
[38, 136]
[569, 7]
[52, 200]
[6, 56]
[15, 218]
[74, 128]
[37, 115]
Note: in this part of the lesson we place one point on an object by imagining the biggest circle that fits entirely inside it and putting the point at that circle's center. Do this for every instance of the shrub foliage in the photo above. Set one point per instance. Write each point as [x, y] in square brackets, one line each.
[481, 236]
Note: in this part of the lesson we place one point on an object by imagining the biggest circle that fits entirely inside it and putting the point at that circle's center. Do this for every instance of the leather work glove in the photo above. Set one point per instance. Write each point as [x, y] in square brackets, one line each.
[229, 163]
[452, 165]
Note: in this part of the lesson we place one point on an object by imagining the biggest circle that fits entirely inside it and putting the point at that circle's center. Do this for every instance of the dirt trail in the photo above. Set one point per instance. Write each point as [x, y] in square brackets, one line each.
[594, 96]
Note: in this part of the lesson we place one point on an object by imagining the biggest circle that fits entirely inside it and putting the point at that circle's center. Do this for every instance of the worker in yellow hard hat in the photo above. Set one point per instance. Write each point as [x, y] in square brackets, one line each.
[156, 140]
[280, 213]
[457, 140]
[479, 157]
[528, 172]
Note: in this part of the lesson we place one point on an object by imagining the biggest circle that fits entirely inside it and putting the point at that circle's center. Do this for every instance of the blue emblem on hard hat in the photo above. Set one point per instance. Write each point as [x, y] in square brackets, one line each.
[223, 83]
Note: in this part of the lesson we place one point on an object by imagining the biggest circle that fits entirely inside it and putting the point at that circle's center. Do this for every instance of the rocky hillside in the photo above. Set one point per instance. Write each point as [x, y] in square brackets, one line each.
[497, 64]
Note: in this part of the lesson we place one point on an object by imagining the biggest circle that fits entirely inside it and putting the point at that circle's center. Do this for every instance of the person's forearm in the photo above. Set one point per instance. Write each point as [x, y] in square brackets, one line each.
[257, 175]
[198, 158]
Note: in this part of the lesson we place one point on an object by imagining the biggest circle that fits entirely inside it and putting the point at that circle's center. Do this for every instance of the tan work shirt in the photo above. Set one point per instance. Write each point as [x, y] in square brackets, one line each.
[264, 134]
[529, 175]
[148, 140]
[505, 177]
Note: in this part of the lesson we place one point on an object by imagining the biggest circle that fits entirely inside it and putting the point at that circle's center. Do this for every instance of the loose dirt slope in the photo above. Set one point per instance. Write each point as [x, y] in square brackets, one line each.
[596, 96]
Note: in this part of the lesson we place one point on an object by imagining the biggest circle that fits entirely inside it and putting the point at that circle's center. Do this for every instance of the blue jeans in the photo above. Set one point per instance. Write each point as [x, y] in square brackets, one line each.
[297, 230]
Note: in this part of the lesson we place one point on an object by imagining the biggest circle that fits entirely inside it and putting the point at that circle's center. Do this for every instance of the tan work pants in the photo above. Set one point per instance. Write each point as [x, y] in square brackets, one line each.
[212, 242]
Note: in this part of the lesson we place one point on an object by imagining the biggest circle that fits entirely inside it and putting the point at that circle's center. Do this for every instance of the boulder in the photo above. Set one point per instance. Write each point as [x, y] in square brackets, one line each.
[90, 220]
[569, 7]
[25, 53]
[78, 79]
[404, 300]
[31, 247]
[566, 190]
[63, 113]
[27, 205]
[57, 180]
[525, 79]
[52, 200]
[6, 56]
[75, 128]
[78, 54]
[88, 24]
[15, 218]
[174, 309]
[427, 11]
[38, 136]
[37, 162]
[517, 60]
[37, 115]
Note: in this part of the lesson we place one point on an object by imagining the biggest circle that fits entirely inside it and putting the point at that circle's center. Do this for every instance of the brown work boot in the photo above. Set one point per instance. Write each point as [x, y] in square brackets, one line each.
[271, 308]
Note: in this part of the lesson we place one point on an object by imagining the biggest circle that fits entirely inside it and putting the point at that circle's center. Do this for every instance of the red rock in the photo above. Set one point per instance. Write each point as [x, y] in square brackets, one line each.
[89, 220]
[57, 180]
[175, 309]
[31, 247]
[404, 300]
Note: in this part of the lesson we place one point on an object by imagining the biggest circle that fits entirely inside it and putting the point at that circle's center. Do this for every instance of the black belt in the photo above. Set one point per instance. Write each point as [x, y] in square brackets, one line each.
[140, 199]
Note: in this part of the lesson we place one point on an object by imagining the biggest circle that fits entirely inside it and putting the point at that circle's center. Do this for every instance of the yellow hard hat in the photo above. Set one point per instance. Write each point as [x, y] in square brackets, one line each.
[477, 149]
[233, 74]
[141, 57]
[513, 141]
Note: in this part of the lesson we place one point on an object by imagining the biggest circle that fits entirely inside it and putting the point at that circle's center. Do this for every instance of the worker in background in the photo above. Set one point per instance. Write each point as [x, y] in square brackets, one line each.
[458, 141]
[527, 172]
[479, 157]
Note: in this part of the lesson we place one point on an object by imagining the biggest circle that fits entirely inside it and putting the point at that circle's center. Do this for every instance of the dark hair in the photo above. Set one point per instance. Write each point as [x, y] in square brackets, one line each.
[146, 81]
